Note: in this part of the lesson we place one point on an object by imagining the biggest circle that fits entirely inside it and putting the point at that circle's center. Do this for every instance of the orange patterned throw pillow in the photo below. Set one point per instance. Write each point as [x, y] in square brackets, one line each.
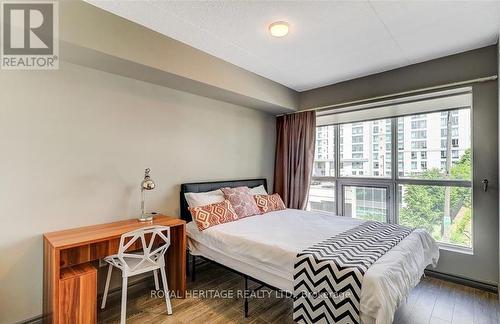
[214, 214]
[268, 203]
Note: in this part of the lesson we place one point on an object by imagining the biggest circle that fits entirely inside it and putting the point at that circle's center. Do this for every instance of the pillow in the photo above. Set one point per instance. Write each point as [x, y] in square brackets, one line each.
[268, 203]
[242, 201]
[214, 214]
[195, 199]
[258, 190]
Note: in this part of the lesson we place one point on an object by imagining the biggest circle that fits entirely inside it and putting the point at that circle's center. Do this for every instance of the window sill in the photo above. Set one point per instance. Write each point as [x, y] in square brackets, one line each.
[456, 248]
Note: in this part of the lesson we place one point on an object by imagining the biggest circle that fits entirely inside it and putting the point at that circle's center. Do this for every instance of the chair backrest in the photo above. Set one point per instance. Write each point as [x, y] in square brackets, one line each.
[146, 236]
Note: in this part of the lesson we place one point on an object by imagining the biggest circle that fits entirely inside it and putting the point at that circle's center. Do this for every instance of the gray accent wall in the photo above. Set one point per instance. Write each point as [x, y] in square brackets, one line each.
[74, 146]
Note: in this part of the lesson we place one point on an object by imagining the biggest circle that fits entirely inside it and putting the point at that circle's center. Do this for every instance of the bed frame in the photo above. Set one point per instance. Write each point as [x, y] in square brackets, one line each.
[186, 215]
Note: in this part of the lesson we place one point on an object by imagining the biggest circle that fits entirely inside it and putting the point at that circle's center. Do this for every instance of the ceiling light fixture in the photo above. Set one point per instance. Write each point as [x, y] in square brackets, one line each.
[279, 28]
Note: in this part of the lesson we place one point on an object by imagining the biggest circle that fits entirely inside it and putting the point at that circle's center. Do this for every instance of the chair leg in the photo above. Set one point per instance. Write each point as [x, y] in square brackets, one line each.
[106, 287]
[155, 275]
[123, 317]
[165, 289]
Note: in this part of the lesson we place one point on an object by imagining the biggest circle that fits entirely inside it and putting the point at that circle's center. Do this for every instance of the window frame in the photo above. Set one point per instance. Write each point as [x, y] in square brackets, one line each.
[392, 183]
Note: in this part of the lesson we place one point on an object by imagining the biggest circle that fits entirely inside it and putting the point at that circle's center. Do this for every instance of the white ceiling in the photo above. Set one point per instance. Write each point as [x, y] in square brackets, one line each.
[329, 41]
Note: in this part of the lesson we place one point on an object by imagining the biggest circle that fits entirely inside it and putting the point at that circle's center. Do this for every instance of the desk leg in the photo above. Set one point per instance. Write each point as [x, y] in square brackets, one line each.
[50, 283]
[176, 261]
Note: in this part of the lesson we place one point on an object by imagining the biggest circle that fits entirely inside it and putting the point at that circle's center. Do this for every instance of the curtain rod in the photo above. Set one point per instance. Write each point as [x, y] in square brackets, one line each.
[399, 94]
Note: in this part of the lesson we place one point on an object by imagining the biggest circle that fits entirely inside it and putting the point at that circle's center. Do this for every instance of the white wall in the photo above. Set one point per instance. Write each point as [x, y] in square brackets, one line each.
[73, 147]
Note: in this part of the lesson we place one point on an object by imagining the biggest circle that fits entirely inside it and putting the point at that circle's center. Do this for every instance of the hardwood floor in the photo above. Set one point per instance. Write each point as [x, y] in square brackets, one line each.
[433, 301]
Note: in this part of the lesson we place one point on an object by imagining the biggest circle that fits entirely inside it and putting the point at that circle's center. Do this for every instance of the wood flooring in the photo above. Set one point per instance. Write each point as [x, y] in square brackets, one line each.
[433, 301]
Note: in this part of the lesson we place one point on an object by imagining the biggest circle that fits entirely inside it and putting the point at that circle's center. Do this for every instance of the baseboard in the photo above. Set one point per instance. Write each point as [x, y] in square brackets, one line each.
[34, 320]
[114, 297]
[462, 281]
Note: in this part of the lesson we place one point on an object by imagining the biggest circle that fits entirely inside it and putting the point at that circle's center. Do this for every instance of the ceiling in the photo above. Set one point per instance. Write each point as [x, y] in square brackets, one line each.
[329, 41]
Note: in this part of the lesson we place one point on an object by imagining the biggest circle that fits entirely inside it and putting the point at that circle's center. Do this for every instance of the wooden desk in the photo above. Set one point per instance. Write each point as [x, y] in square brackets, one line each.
[70, 248]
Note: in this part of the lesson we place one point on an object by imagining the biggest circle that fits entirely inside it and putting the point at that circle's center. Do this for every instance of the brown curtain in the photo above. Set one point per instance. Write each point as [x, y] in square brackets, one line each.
[294, 157]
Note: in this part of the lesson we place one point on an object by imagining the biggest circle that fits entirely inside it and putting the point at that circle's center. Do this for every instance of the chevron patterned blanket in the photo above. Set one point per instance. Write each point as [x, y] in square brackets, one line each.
[329, 275]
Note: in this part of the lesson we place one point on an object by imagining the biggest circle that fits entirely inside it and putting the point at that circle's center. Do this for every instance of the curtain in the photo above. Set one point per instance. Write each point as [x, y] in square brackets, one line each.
[295, 141]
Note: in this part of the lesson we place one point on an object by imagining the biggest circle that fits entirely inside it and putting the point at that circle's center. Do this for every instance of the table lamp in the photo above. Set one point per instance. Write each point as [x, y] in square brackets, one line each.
[146, 184]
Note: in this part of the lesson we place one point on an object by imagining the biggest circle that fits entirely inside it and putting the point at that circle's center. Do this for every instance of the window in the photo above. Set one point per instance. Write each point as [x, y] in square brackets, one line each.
[357, 139]
[357, 148]
[419, 144]
[357, 165]
[432, 189]
[419, 124]
[435, 150]
[365, 203]
[324, 162]
[420, 134]
[357, 130]
[380, 148]
[442, 210]
[321, 196]
[454, 132]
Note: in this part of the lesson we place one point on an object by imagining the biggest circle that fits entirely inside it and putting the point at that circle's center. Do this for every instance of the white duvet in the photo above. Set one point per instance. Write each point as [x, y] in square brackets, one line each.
[270, 243]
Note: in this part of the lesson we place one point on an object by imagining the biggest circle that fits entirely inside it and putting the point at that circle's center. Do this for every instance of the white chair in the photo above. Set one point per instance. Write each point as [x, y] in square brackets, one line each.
[135, 263]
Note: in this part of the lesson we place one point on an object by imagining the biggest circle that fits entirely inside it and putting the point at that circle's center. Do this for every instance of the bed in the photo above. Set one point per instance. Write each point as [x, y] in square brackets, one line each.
[265, 247]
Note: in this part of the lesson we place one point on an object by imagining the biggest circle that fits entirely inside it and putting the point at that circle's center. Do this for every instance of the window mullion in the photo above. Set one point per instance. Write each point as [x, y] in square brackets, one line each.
[336, 142]
[395, 172]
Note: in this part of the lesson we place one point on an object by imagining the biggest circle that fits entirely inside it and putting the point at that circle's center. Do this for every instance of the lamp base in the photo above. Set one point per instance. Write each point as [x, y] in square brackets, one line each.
[145, 218]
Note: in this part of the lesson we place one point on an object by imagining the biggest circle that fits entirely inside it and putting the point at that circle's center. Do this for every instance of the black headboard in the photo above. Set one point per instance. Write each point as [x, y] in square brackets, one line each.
[209, 186]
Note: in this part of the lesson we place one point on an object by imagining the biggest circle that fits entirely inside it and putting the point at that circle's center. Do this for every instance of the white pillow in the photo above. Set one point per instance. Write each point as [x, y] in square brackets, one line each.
[258, 190]
[196, 199]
